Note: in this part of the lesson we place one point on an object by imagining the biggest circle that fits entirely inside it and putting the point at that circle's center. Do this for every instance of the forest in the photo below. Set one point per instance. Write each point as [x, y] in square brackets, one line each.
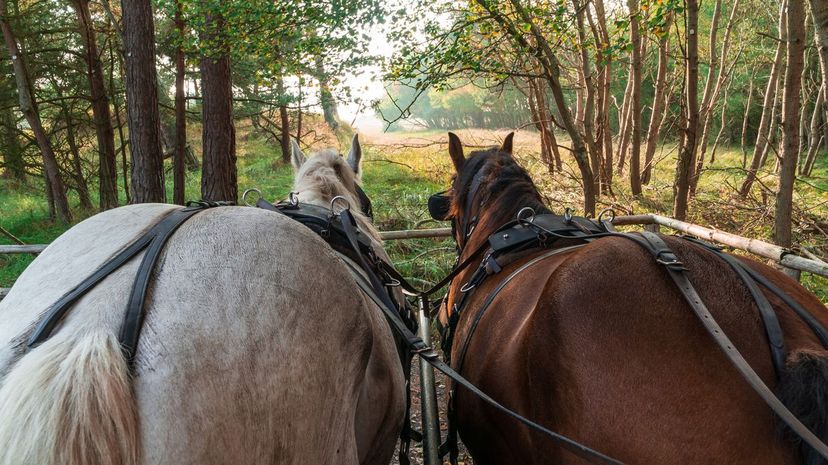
[106, 103]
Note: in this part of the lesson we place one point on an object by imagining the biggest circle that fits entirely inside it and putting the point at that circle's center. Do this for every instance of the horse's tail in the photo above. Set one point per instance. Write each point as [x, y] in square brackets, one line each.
[803, 388]
[69, 402]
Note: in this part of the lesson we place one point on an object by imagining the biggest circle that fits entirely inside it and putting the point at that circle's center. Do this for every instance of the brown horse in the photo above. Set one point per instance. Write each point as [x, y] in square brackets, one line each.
[598, 344]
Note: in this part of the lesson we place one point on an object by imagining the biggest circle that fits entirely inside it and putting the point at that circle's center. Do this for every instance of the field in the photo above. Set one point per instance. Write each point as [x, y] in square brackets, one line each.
[403, 169]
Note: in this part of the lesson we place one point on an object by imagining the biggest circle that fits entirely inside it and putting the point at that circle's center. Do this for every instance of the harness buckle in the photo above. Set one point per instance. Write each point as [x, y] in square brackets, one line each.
[669, 259]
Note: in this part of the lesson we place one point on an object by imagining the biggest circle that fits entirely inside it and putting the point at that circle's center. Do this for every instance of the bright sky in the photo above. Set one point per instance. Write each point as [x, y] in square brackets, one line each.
[367, 84]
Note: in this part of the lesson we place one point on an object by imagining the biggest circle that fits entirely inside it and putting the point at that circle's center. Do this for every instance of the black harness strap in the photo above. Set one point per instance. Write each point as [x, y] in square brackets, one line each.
[419, 347]
[155, 239]
[134, 317]
[806, 316]
[664, 256]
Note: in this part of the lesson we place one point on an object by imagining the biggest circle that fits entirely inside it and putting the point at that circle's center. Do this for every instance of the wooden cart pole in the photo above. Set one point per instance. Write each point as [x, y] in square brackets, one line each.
[428, 392]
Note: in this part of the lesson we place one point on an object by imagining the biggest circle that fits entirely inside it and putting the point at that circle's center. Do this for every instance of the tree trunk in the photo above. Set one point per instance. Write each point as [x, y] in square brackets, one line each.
[767, 107]
[624, 123]
[706, 107]
[284, 121]
[180, 110]
[107, 174]
[28, 106]
[684, 165]
[539, 123]
[218, 171]
[635, 155]
[80, 181]
[115, 60]
[791, 104]
[659, 102]
[142, 102]
[589, 98]
[546, 124]
[14, 166]
[606, 92]
[745, 120]
[819, 11]
[815, 138]
[326, 98]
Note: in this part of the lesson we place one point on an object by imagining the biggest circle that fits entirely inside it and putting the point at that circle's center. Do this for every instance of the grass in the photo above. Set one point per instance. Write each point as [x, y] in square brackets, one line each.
[401, 171]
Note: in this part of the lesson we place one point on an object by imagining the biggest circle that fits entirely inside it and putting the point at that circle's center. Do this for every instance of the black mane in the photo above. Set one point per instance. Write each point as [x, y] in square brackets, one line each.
[506, 188]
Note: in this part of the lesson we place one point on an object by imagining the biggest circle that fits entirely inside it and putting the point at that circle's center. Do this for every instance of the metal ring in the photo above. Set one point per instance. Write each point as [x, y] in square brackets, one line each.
[467, 287]
[252, 189]
[342, 199]
[529, 218]
[293, 199]
[568, 214]
[609, 211]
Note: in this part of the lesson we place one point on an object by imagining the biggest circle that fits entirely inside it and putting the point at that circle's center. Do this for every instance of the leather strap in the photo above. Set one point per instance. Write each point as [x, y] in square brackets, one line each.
[418, 346]
[57, 311]
[134, 317]
[806, 316]
[664, 256]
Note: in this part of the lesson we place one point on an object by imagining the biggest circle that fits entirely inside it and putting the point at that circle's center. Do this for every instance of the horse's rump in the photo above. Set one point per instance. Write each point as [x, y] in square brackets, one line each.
[256, 341]
[609, 353]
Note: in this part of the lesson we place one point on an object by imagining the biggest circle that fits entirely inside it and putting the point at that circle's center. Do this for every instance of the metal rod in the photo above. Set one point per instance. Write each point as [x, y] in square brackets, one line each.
[428, 393]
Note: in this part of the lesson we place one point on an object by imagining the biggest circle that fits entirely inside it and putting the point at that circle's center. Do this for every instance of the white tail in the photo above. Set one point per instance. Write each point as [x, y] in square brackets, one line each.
[69, 402]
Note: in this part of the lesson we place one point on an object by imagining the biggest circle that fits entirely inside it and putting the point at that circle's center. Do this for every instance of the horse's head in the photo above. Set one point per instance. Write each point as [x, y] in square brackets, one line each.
[488, 189]
[326, 175]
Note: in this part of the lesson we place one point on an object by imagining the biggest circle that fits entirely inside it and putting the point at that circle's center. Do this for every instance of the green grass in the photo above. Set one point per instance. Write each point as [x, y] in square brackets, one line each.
[400, 179]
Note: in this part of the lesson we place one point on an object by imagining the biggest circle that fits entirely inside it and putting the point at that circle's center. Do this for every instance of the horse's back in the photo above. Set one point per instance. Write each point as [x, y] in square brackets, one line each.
[255, 342]
[612, 356]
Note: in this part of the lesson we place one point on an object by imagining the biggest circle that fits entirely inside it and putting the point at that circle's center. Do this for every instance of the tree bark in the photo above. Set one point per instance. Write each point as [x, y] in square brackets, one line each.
[606, 92]
[659, 103]
[746, 119]
[180, 110]
[791, 104]
[326, 98]
[709, 100]
[768, 106]
[142, 102]
[284, 122]
[14, 166]
[107, 174]
[28, 106]
[115, 59]
[819, 11]
[635, 155]
[218, 172]
[589, 98]
[81, 186]
[684, 165]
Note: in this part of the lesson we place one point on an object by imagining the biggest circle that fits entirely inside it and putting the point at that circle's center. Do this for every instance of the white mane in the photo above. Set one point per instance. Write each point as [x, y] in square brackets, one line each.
[325, 175]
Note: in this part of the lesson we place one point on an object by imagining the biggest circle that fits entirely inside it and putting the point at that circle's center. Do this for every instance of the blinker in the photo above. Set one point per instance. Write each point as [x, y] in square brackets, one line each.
[439, 206]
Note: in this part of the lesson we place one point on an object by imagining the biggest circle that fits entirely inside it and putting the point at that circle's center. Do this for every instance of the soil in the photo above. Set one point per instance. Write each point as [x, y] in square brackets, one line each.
[416, 451]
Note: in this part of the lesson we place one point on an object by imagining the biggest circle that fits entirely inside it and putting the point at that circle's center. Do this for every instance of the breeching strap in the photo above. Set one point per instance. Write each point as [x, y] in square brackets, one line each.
[153, 242]
[664, 256]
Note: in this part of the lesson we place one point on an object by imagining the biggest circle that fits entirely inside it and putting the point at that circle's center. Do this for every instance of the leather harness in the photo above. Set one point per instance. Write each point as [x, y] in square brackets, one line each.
[542, 231]
[549, 231]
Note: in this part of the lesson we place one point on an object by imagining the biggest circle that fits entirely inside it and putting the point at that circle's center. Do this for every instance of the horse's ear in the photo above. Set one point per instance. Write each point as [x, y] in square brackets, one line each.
[355, 155]
[456, 151]
[297, 158]
[507, 143]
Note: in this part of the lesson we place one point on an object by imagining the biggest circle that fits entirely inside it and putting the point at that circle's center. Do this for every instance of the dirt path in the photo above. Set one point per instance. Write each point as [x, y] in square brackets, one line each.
[416, 452]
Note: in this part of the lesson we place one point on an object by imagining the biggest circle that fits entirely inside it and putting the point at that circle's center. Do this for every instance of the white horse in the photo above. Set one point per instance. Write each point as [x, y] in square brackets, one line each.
[257, 347]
